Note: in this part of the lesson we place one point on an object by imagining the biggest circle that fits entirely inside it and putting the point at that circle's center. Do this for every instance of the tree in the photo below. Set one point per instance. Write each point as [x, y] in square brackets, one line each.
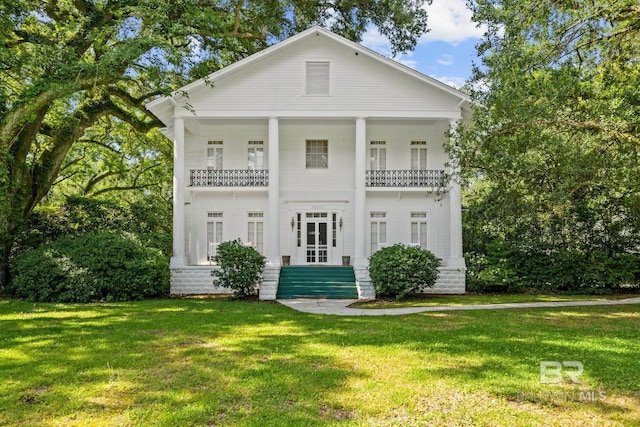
[68, 65]
[551, 159]
[114, 162]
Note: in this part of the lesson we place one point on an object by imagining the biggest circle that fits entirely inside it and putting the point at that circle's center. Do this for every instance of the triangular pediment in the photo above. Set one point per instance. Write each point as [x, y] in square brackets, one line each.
[274, 82]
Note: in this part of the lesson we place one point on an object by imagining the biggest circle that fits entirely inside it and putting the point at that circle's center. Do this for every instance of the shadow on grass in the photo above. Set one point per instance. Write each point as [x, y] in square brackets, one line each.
[171, 362]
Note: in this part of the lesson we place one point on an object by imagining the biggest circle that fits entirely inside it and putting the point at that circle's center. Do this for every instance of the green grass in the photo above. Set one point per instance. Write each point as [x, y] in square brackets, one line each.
[218, 362]
[468, 299]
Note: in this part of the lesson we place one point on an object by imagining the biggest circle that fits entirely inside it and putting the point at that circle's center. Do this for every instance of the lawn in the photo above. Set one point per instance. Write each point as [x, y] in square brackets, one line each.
[215, 362]
[427, 300]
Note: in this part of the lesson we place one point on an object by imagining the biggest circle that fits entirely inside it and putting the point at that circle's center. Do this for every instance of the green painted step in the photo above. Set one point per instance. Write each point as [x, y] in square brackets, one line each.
[317, 282]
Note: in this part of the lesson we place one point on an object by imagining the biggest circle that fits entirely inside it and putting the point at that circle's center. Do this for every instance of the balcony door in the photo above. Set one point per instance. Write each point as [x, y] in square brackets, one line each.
[317, 237]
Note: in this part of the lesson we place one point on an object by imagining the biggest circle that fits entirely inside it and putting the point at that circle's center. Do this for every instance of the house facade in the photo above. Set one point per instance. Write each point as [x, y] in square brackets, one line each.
[312, 150]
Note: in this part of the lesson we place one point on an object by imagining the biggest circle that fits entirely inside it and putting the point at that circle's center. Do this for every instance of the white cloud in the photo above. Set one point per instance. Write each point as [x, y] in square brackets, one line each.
[379, 43]
[452, 81]
[450, 21]
[376, 41]
[445, 59]
[411, 63]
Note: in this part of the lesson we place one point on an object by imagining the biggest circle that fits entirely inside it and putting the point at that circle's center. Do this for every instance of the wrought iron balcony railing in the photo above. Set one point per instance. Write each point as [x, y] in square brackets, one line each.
[229, 178]
[405, 178]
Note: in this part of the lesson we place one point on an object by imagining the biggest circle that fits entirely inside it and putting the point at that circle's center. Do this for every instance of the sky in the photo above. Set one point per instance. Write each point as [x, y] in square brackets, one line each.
[447, 51]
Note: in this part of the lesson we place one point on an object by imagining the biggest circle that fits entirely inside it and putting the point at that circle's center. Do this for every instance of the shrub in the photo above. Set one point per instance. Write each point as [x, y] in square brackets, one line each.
[149, 220]
[511, 267]
[399, 270]
[89, 268]
[240, 267]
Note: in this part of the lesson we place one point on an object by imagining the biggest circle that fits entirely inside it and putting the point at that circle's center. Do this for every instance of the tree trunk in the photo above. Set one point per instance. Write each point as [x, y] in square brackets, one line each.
[6, 244]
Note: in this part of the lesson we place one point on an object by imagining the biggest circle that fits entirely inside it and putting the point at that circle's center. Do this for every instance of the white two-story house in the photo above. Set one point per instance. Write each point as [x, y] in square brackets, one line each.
[313, 150]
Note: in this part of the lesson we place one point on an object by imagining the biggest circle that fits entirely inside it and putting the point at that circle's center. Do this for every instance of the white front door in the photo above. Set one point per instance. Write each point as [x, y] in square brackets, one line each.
[317, 237]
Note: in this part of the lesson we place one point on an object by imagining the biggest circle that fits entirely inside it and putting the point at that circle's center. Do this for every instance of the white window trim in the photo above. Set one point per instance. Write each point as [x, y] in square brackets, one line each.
[419, 144]
[255, 217]
[304, 154]
[206, 150]
[377, 144]
[378, 217]
[214, 217]
[255, 143]
[420, 217]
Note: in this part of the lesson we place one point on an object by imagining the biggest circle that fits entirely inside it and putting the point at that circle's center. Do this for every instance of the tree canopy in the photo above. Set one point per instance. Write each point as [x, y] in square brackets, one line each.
[557, 135]
[552, 159]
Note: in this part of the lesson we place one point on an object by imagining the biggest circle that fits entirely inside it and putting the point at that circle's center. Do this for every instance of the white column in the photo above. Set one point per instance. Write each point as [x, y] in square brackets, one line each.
[273, 217]
[178, 258]
[455, 207]
[360, 193]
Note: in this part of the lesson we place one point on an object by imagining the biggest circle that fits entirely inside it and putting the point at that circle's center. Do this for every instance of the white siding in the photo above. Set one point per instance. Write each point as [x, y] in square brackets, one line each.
[299, 184]
[298, 181]
[277, 83]
[234, 133]
[234, 207]
[398, 135]
[399, 206]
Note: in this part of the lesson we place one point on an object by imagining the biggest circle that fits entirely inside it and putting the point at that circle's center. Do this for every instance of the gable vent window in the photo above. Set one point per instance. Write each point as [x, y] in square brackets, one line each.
[317, 80]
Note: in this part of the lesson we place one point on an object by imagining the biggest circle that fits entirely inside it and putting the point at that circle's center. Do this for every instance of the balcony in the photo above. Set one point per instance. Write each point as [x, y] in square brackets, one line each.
[229, 178]
[405, 178]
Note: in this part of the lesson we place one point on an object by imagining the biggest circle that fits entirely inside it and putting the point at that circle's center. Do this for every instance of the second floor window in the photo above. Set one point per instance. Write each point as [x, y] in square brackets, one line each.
[317, 154]
[418, 155]
[255, 155]
[378, 155]
[214, 155]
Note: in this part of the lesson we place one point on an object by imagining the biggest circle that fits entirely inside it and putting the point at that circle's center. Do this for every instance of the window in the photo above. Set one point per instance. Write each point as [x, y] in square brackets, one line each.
[334, 230]
[214, 234]
[418, 155]
[214, 155]
[255, 155]
[317, 154]
[317, 81]
[378, 230]
[378, 155]
[255, 233]
[299, 230]
[419, 229]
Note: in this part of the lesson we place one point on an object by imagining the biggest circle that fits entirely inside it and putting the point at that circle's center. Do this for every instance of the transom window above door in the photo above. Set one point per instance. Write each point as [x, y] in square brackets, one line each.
[317, 154]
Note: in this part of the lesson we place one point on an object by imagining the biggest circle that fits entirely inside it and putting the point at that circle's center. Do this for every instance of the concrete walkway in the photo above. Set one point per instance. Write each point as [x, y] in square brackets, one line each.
[340, 307]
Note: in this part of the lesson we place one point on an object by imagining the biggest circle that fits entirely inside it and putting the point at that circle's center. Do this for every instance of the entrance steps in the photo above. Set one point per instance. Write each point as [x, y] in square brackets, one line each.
[332, 282]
